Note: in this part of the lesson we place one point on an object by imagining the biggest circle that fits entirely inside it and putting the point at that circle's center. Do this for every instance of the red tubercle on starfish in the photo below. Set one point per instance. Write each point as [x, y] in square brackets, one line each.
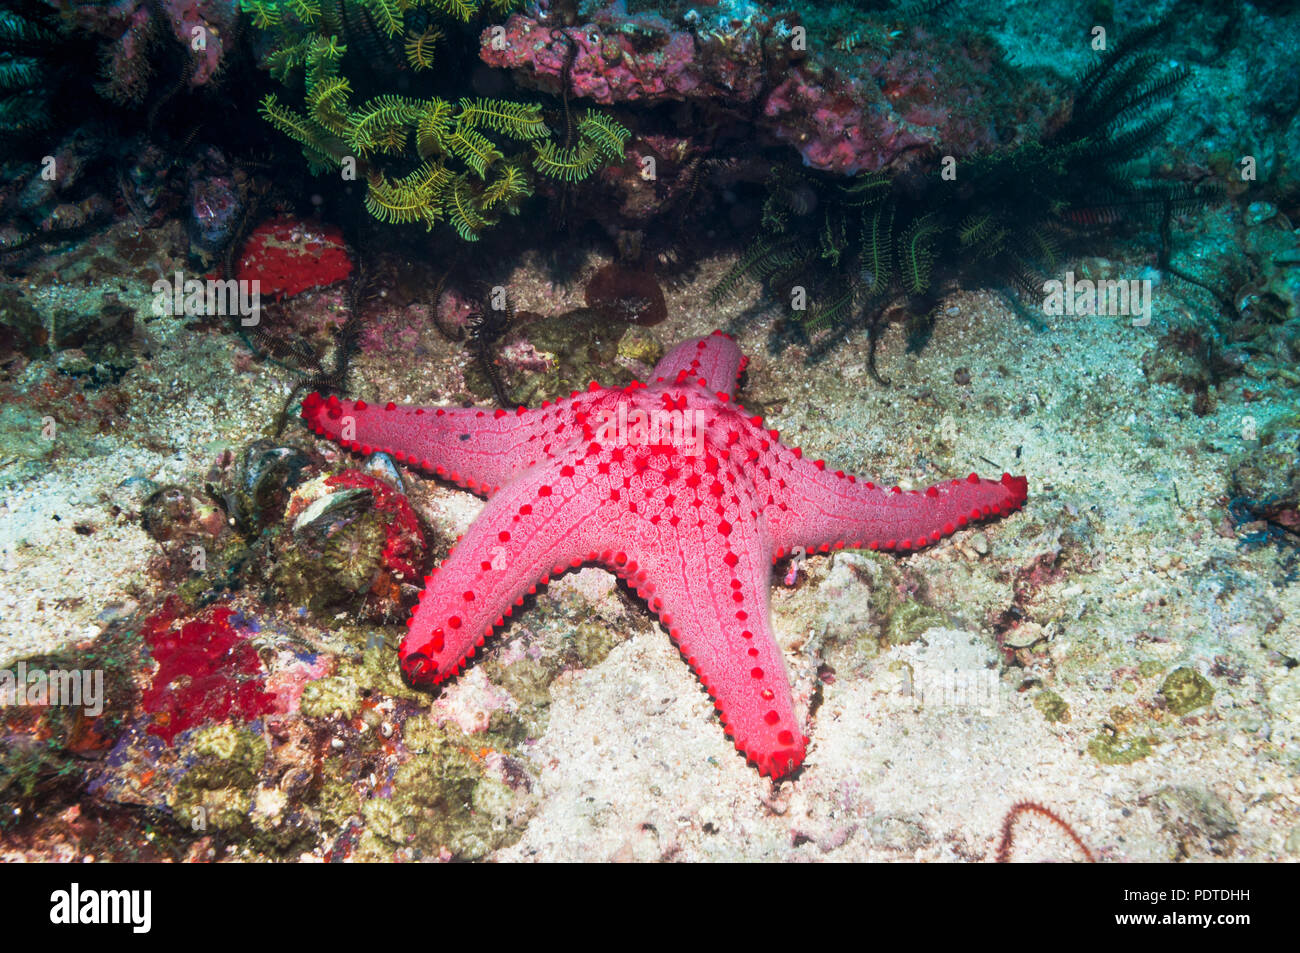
[692, 526]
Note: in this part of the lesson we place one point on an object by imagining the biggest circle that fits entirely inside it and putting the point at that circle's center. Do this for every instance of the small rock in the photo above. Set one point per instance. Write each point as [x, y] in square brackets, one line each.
[1197, 819]
[1258, 212]
[128, 496]
[381, 467]
[1025, 635]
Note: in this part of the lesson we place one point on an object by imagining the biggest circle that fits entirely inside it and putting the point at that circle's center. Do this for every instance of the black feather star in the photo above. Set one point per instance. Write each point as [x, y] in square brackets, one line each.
[841, 251]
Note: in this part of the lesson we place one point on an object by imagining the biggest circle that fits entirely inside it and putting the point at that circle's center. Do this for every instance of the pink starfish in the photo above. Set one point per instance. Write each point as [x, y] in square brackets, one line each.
[672, 487]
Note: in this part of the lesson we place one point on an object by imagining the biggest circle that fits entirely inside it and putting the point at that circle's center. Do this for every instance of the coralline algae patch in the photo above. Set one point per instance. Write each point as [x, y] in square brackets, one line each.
[668, 73]
[291, 677]
[471, 706]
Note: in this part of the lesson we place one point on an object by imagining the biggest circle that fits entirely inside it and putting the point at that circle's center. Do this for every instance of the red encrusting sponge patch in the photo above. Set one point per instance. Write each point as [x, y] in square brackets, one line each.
[288, 256]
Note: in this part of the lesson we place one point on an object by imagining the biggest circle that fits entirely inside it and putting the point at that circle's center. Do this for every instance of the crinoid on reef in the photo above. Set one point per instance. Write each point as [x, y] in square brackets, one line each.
[424, 158]
[839, 251]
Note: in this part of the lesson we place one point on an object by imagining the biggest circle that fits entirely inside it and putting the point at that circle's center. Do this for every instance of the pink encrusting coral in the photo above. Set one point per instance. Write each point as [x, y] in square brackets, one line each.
[135, 29]
[908, 97]
[837, 133]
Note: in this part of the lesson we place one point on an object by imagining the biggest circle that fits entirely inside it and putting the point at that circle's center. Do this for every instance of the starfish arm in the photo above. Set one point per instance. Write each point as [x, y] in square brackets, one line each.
[804, 505]
[693, 546]
[480, 449]
[711, 593]
[536, 527]
[822, 510]
[714, 359]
